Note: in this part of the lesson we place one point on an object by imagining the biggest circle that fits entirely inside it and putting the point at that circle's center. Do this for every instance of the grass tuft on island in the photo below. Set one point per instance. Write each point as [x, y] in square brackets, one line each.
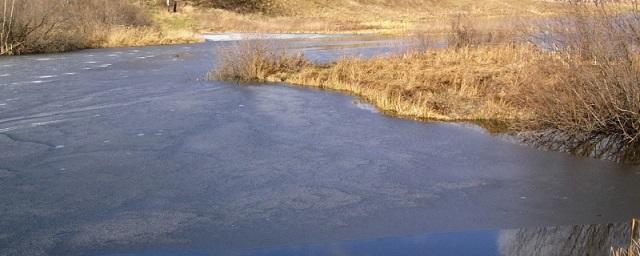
[586, 88]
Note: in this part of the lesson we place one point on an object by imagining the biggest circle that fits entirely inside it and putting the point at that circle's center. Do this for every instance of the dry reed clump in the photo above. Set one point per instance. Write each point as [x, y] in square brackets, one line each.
[452, 84]
[633, 250]
[471, 83]
[463, 32]
[140, 36]
[256, 61]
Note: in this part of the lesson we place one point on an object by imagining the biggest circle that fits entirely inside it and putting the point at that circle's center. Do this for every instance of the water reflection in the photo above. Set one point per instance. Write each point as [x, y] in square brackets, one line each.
[596, 239]
[613, 148]
[566, 240]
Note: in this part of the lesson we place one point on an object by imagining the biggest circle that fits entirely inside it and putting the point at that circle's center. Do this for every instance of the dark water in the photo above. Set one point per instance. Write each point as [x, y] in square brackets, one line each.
[122, 151]
[565, 240]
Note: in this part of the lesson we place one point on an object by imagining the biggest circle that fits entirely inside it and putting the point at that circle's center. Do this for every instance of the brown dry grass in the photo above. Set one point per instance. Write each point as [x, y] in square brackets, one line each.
[362, 16]
[452, 84]
[35, 26]
[634, 249]
[256, 61]
[118, 23]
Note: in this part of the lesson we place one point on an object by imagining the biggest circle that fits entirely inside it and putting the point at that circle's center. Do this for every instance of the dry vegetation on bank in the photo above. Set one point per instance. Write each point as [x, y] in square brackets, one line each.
[587, 89]
[34, 26]
[361, 16]
[255, 61]
[633, 250]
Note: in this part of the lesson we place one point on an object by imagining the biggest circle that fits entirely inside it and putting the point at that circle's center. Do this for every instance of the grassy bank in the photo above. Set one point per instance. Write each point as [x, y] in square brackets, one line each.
[35, 26]
[586, 88]
[361, 16]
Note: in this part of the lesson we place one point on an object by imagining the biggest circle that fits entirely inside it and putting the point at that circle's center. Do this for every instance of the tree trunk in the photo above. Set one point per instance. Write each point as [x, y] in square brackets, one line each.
[172, 5]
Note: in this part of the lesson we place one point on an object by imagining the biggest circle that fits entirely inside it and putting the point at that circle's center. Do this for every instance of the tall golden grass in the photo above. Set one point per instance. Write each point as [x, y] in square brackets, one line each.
[632, 250]
[469, 83]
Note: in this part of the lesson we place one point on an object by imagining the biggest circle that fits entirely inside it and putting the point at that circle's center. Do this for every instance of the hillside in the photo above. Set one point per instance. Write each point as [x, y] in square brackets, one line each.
[34, 26]
[351, 15]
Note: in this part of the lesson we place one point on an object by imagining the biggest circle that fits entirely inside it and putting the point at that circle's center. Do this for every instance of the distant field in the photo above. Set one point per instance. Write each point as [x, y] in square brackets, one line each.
[36, 26]
[383, 16]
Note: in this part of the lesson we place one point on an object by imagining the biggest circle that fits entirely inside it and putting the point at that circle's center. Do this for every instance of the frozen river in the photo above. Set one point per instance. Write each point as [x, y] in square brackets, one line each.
[125, 151]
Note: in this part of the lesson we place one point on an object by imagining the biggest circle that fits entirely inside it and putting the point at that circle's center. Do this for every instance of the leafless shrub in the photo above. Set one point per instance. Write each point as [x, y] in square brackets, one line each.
[42, 25]
[592, 90]
[463, 32]
[242, 6]
[24, 21]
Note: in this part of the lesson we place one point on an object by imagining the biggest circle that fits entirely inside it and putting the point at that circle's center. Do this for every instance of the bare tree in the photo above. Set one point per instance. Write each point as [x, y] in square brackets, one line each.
[7, 23]
[172, 5]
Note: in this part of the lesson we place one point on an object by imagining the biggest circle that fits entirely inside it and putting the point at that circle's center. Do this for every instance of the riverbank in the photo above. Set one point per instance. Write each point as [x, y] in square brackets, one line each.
[43, 26]
[582, 97]
[359, 16]
[133, 127]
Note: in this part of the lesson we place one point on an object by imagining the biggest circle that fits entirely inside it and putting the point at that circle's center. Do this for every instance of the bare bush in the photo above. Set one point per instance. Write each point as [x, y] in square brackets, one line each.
[25, 21]
[463, 32]
[242, 6]
[593, 91]
[30, 26]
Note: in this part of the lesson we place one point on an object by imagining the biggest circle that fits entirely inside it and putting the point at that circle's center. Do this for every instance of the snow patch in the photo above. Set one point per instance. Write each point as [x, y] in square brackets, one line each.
[46, 123]
[8, 129]
[226, 37]
[365, 106]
